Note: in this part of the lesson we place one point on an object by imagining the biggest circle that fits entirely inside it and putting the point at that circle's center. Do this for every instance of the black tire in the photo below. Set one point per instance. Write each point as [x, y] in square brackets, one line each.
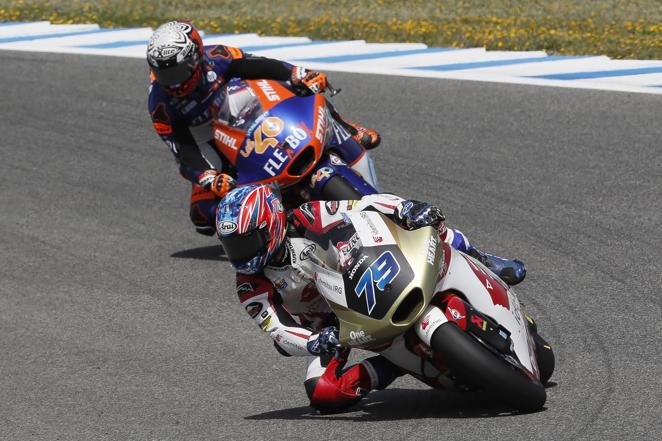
[474, 364]
[544, 352]
[339, 189]
[545, 356]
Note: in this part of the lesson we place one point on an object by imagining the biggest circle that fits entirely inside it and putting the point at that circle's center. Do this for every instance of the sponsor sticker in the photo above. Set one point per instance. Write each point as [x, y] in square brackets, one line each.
[266, 323]
[290, 249]
[430, 250]
[226, 139]
[331, 207]
[320, 175]
[360, 337]
[227, 227]
[254, 309]
[307, 210]
[346, 251]
[356, 267]
[455, 313]
[244, 288]
[274, 164]
[269, 91]
[306, 252]
[335, 160]
[330, 284]
[432, 319]
[297, 134]
[371, 228]
[322, 124]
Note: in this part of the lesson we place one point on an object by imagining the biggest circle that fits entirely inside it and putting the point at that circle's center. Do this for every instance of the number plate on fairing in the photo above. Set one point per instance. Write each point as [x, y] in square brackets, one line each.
[376, 279]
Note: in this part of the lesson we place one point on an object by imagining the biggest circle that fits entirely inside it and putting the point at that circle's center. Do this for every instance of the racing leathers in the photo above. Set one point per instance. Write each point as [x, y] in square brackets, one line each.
[184, 122]
[284, 302]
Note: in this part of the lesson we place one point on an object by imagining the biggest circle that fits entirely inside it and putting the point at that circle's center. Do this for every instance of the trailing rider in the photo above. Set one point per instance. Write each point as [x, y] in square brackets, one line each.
[185, 80]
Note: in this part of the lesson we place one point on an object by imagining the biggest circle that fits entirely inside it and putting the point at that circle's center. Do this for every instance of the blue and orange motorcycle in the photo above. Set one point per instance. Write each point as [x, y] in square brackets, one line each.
[272, 134]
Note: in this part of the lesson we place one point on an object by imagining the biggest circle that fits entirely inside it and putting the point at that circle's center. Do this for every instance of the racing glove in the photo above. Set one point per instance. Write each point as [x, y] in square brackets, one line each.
[324, 342]
[414, 214]
[218, 183]
[314, 81]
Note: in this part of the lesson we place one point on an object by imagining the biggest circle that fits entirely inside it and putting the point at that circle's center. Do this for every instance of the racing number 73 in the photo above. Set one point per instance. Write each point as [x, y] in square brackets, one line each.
[382, 272]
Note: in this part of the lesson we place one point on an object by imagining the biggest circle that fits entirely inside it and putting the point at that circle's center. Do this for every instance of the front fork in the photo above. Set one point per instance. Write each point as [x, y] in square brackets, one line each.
[449, 307]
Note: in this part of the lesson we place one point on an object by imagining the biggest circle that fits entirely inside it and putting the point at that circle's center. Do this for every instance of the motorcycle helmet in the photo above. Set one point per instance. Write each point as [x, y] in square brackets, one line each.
[251, 224]
[174, 54]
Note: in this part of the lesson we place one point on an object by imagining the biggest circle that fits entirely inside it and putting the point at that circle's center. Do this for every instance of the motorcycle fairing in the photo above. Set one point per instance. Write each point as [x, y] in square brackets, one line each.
[293, 131]
[399, 300]
[263, 128]
[492, 297]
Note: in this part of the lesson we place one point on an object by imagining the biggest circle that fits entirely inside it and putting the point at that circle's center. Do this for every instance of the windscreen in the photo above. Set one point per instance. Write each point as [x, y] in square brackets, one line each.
[240, 107]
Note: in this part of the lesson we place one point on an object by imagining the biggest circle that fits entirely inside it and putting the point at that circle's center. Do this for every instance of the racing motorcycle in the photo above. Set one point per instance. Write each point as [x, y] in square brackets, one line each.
[435, 312]
[272, 133]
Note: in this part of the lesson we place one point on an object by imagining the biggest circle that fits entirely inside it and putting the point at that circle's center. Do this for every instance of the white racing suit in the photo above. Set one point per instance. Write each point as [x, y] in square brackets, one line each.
[285, 303]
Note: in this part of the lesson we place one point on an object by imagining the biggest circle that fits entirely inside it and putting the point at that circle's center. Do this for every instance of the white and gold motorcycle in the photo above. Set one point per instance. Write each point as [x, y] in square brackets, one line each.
[435, 312]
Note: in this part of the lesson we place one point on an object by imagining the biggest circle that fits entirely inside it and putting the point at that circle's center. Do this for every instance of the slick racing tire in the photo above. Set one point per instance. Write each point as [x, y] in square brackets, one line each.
[339, 189]
[474, 364]
[545, 357]
[544, 352]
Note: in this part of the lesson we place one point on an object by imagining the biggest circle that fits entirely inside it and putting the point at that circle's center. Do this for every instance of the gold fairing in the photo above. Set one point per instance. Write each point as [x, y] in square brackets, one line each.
[360, 331]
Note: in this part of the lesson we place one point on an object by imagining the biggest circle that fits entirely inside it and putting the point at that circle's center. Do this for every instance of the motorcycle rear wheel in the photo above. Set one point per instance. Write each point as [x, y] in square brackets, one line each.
[474, 364]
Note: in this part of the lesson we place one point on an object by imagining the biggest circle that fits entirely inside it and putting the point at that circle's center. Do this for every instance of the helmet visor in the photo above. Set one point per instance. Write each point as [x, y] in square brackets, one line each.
[176, 74]
[240, 248]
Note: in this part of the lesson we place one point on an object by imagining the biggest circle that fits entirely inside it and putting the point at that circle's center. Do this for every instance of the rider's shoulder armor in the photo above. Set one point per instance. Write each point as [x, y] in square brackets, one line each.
[222, 55]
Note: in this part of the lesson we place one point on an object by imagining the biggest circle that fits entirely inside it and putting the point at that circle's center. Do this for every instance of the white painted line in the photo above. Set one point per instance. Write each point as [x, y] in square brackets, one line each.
[252, 39]
[326, 48]
[38, 27]
[401, 59]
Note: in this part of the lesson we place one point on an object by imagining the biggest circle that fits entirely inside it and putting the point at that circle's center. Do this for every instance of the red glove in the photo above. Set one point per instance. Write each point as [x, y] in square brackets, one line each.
[218, 183]
[314, 81]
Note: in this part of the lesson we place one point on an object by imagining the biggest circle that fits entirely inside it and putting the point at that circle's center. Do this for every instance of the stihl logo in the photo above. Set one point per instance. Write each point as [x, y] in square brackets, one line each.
[225, 139]
[268, 90]
[320, 131]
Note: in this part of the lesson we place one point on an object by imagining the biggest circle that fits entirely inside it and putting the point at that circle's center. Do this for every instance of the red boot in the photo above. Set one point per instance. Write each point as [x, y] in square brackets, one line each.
[336, 390]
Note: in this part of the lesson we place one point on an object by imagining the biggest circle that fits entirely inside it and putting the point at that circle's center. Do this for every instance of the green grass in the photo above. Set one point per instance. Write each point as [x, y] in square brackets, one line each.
[618, 28]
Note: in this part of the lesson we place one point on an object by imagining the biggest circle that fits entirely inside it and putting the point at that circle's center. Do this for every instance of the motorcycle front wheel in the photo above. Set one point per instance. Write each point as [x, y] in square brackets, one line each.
[339, 189]
[473, 363]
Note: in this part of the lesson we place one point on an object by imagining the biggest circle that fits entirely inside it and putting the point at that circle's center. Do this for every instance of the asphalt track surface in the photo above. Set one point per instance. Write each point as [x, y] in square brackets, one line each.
[118, 322]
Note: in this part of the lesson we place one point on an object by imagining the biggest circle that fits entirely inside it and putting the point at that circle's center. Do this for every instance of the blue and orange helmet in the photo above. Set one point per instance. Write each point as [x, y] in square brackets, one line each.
[175, 56]
[251, 224]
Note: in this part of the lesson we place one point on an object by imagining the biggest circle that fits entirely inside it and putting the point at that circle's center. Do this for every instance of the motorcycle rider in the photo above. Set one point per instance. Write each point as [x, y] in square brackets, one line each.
[185, 77]
[275, 283]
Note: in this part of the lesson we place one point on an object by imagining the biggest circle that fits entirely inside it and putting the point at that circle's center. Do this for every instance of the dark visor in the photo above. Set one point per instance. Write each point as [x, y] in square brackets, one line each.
[241, 248]
[177, 74]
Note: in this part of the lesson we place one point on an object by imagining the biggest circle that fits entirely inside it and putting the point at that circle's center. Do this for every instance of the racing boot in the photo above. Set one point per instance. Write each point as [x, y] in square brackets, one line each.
[367, 138]
[338, 388]
[510, 271]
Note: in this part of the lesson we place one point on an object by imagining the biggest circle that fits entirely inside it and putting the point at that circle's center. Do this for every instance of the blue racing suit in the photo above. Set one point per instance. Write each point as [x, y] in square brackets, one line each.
[184, 123]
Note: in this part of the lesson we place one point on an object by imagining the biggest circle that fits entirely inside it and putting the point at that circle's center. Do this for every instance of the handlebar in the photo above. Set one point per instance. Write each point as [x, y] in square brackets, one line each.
[332, 90]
